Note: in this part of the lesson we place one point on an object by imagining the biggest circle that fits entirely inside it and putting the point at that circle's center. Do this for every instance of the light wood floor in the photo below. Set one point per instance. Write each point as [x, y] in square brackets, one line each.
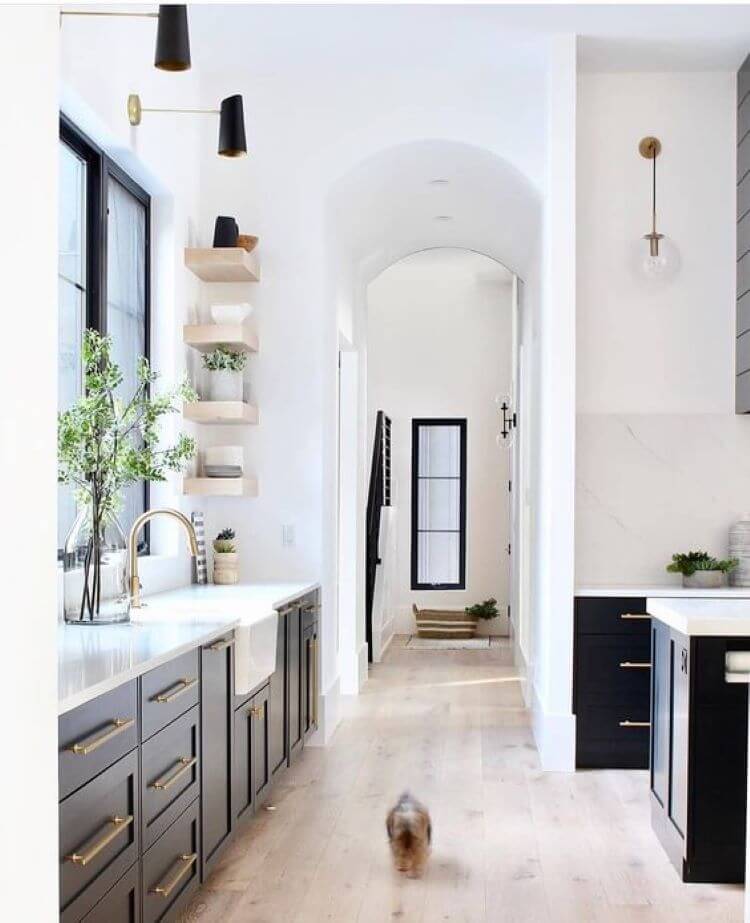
[511, 844]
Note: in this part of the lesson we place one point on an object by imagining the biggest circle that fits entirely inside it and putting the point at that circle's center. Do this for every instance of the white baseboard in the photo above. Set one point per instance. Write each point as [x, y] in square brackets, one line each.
[555, 736]
[391, 635]
[523, 669]
[362, 665]
[381, 640]
[329, 715]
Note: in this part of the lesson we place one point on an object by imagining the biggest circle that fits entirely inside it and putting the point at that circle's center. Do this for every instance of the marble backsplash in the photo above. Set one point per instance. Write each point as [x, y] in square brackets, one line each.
[648, 485]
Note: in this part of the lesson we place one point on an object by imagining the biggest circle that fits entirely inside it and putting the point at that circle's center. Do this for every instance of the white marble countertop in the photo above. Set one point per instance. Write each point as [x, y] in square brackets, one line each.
[709, 616]
[676, 591]
[93, 660]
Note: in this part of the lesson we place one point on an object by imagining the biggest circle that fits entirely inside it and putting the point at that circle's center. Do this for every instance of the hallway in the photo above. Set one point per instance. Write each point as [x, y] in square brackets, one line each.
[511, 843]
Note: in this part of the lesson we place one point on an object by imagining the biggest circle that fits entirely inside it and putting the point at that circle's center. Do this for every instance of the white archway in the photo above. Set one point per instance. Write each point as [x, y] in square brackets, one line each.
[379, 212]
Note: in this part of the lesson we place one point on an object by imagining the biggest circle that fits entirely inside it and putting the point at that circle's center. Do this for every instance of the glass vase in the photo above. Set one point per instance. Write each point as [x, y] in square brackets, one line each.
[95, 572]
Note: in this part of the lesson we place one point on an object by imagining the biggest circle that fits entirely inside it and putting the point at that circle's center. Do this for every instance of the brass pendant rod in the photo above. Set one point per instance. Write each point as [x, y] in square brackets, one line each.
[653, 197]
[108, 13]
[191, 111]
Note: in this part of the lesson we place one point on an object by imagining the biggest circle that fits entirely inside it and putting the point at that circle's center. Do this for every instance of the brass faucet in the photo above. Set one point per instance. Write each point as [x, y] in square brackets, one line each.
[135, 583]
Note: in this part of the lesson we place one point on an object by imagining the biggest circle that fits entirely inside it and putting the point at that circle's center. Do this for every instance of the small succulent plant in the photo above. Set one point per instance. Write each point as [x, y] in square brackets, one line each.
[484, 610]
[224, 359]
[224, 542]
[693, 561]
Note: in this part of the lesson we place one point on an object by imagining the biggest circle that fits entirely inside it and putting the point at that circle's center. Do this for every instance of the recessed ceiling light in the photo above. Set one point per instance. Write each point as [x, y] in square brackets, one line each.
[439, 182]
[443, 218]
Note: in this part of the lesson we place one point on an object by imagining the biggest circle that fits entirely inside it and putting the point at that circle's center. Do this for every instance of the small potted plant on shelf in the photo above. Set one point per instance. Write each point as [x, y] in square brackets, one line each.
[105, 443]
[226, 566]
[699, 569]
[226, 366]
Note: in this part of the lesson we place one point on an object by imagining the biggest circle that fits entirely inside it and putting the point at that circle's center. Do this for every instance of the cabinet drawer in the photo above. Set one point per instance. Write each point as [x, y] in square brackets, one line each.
[168, 692]
[613, 670]
[169, 771]
[122, 904]
[613, 737]
[607, 615]
[99, 828]
[95, 735]
[171, 868]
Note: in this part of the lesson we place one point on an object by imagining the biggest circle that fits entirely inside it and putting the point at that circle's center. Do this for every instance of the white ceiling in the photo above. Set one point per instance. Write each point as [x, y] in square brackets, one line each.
[277, 38]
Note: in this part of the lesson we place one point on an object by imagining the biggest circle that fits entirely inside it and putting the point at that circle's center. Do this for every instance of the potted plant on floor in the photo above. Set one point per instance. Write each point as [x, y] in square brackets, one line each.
[226, 565]
[103, 445]
[226, 366]
[699, 569]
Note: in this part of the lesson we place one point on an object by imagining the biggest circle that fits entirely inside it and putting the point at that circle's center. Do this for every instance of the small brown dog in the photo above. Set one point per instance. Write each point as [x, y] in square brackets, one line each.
[409, 833]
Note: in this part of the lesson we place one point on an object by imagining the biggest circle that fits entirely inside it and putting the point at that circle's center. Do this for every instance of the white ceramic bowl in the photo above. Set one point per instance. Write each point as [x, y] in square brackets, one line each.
[231, 313]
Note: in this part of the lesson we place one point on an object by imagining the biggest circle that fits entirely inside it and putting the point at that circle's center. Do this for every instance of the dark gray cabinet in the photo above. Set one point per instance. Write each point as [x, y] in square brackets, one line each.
[217, 719]
[699, 756]
[309, 672]
[612, 676]
[252, 762]
[122, 904]
[278, 697]
[295, 681]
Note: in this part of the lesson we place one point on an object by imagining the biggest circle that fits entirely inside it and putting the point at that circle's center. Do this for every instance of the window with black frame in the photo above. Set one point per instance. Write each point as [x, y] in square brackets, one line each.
[438, 504]
[103, 283]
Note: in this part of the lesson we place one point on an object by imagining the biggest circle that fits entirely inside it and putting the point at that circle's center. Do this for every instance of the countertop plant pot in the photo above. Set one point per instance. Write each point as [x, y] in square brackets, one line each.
[704, 580]
[226, 567]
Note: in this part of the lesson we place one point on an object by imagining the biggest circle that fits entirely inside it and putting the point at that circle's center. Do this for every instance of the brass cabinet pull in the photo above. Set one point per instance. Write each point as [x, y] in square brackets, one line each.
[178, 871]
[182, 685]
[312, 608]
[221, 645]
[91, 849]
[627, 723]
[635, 615]
[634, 665]
[91, 743]
[257, 711]
[184, 764]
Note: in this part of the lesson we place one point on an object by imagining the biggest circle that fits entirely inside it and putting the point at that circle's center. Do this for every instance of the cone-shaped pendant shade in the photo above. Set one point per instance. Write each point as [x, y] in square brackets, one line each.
[172, 39]
[232, 127]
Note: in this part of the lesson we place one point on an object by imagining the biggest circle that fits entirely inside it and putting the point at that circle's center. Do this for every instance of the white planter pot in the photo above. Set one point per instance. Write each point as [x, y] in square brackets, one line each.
[225, 386]
[226, 568]
[704, 580]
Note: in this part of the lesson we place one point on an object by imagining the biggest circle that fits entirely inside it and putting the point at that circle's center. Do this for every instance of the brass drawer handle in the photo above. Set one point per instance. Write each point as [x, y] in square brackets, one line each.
[184, 764]
[634, 665]
[174, 692]
[313, 608]
[257, 711]
[180, 868]
[221, 645]
[89, 744]
[635, 615]
[91, 849]
[635, 724]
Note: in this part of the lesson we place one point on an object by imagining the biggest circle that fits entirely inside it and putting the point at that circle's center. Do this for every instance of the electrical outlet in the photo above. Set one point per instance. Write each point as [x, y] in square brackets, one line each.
[287, 534]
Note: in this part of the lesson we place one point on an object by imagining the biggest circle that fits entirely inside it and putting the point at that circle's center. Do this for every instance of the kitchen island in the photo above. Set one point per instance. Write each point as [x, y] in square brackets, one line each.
[172, 730]
[699, 734]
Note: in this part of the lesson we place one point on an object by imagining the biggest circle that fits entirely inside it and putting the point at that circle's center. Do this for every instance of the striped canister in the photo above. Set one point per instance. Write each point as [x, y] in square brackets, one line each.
[739, 547]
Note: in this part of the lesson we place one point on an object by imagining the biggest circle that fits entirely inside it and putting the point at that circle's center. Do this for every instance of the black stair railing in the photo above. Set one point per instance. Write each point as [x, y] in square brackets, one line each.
[378, 496]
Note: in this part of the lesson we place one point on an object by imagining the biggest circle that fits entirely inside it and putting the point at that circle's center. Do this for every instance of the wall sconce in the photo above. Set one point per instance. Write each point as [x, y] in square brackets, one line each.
[661, 259]
[232, 141]
[172, 36]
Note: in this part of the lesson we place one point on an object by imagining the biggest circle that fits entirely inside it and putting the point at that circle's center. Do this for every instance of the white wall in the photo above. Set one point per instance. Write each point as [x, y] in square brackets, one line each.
[28, 377]
[661, 457]
[439, 345]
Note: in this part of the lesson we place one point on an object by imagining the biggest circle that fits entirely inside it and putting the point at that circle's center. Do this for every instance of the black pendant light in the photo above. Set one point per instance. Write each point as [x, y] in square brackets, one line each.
[172, 39]
[232, 141]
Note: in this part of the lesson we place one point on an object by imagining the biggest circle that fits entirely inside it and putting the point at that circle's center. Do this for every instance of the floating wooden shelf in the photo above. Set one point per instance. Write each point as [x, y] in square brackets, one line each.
[223, 264]
[206, 337]
[220, 487]
[223, 412]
